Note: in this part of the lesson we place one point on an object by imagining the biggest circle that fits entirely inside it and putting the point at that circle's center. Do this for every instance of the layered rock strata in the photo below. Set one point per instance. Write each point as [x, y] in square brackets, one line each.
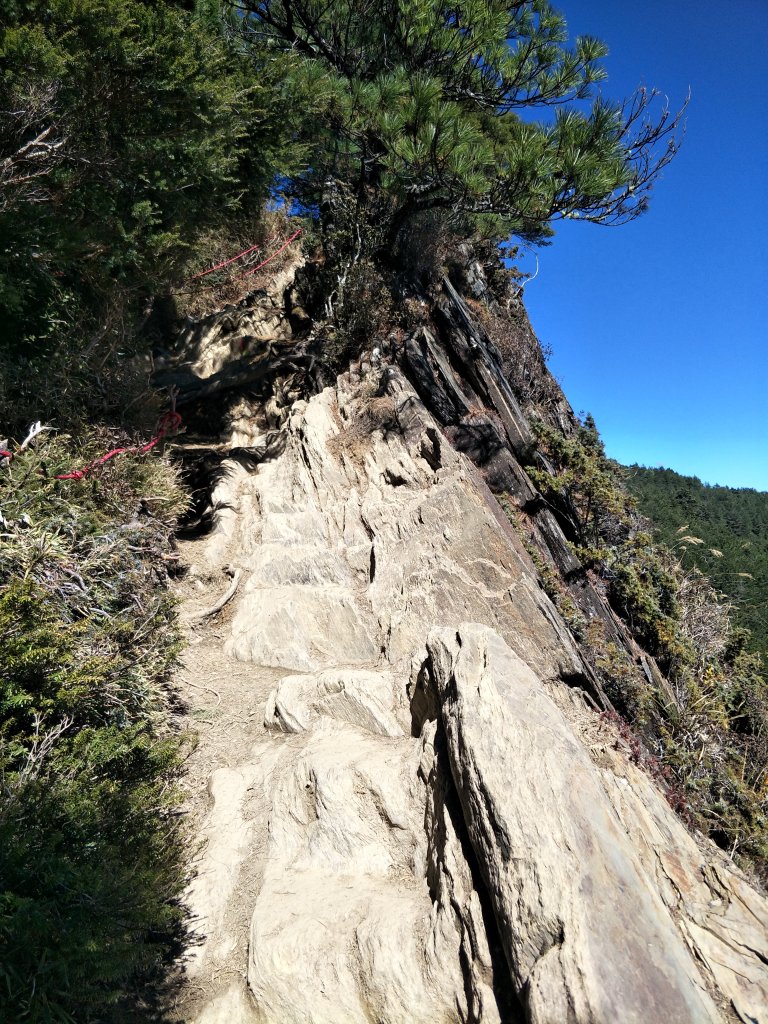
[415, 812]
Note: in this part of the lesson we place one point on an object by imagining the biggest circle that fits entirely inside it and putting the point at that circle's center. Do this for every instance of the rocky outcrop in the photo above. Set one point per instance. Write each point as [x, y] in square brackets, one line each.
[414, 811]
[586, 937]
[239, 346]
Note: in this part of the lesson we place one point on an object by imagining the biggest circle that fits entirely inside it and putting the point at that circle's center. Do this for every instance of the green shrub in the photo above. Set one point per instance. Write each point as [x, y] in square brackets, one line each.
[707, 724]
[586, 488]
[90, 853]
[90, 869]
[731, 526]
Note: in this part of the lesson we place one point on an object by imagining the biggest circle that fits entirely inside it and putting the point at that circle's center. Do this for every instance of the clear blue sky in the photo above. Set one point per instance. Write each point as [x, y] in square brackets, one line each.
[660, 328]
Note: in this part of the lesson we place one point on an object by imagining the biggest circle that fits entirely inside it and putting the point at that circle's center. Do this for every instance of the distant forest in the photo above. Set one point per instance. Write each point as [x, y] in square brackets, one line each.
[732, 527]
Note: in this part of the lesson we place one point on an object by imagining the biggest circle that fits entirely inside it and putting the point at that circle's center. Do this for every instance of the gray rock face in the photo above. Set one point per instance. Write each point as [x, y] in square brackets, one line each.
[407, 819]
[585, 936]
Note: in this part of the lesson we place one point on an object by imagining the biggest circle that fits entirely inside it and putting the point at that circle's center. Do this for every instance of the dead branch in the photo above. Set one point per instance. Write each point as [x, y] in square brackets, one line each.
[199, 616]
[33, 142]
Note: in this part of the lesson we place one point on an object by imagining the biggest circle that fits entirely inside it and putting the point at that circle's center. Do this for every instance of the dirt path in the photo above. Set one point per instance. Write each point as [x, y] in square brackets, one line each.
[223, 783]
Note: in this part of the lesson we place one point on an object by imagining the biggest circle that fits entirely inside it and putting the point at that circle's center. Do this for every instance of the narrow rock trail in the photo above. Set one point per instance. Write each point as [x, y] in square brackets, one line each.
[225, 779]
[224, 700]
[403, 808]
[305, 758]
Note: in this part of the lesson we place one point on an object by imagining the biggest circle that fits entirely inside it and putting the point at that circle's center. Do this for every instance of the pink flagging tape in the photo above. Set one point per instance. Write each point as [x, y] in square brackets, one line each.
[277, 252]
[227, 262]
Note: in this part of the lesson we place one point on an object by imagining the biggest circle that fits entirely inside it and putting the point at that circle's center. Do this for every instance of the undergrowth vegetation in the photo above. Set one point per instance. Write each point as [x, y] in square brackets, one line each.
[90, 865]
[707, 722]
[524, 359]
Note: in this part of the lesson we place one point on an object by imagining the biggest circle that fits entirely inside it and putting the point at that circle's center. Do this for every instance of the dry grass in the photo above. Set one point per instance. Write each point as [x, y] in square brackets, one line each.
[524, 360]
[234, 282]
[354, 438]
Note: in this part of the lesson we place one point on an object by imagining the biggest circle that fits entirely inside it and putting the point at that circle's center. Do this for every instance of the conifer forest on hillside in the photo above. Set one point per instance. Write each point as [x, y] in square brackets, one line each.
[721, 530]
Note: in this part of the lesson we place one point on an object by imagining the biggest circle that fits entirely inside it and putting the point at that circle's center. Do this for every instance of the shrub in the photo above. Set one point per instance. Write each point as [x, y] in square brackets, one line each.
[90, 855]
[708, 723]
[524, 359]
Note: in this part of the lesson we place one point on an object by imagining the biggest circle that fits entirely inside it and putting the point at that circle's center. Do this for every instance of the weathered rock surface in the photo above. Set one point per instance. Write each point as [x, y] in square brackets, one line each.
[585, 936]
[411, 817]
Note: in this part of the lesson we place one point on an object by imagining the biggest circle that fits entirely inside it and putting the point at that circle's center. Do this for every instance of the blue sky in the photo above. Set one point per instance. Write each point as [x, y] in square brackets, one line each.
[660, 328]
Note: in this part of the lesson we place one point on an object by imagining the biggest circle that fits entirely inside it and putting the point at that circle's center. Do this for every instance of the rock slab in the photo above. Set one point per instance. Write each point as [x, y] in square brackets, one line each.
[586, 937]
[410, 828]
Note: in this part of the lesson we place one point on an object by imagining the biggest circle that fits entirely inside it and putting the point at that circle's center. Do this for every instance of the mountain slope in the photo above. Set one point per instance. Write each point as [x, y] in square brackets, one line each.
[732, 521]
[413, 798]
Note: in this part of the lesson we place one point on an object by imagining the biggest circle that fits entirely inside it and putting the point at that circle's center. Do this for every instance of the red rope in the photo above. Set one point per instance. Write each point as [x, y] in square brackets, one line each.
[277, 252]
[227, 262]
[259, 245]
[169, 421]
[247, 252]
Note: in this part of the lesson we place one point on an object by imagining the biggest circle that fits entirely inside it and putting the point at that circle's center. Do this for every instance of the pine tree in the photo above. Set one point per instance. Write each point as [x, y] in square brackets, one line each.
[126, 128]
[433, 103]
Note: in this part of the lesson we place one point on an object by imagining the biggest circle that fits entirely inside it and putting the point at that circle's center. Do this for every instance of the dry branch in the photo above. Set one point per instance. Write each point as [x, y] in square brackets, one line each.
[199, 616]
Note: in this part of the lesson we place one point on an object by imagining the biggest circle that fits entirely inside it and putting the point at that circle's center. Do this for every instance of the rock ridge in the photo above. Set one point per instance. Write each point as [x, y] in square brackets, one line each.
[412, 812]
